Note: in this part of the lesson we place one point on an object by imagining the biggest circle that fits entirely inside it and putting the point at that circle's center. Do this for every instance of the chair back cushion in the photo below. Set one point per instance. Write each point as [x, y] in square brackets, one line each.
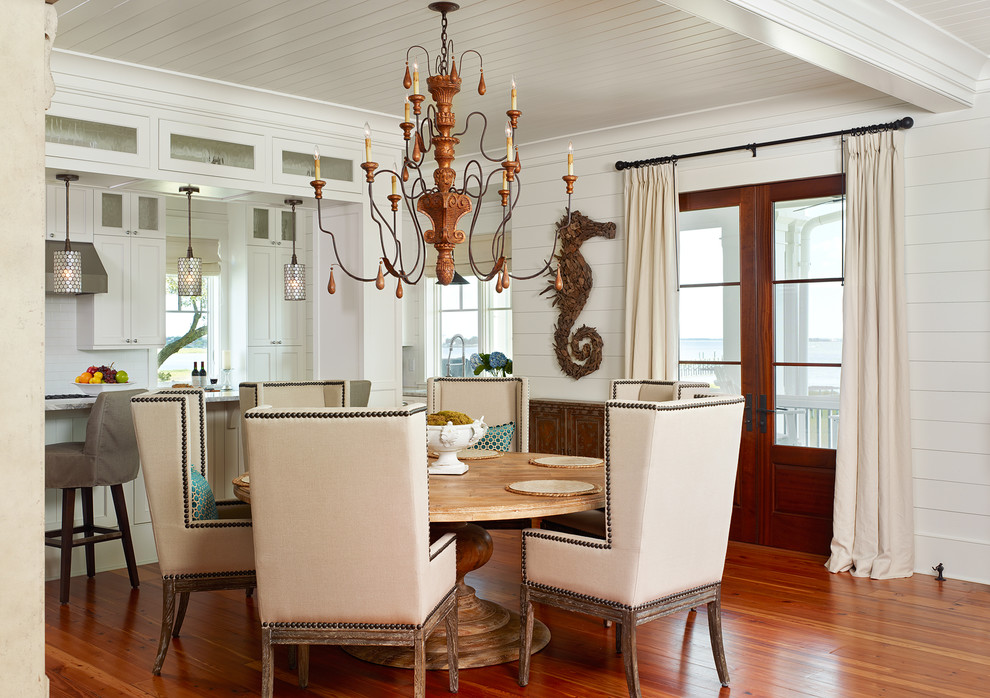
[170, 426]
[339, 500]
[498, 400]
[110, 437]
[652, 390]
[670, 473]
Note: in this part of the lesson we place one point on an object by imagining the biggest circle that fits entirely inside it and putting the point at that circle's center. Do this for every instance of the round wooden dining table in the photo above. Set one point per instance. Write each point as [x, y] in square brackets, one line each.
[488, 632]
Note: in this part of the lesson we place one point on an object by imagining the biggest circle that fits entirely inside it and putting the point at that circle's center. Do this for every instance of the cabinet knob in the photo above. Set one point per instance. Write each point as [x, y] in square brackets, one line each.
[135, 340]
[127, 340]
[134, 232]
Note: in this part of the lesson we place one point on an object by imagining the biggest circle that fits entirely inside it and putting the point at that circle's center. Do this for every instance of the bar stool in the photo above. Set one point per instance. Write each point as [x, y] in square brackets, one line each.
[108, 457]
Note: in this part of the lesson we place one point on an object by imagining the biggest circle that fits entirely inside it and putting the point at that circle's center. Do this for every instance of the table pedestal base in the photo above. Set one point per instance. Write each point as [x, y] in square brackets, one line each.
[487, 634]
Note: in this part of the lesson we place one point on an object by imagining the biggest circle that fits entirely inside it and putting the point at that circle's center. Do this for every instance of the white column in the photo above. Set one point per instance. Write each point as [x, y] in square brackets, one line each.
[22, 286]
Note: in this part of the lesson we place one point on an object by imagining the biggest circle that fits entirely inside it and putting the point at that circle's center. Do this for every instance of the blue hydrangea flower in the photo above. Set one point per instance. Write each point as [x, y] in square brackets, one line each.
[474, 361]
[497, 359]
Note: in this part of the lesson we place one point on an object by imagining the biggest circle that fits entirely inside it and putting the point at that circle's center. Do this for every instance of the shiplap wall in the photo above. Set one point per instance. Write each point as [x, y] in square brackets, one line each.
[947, 265]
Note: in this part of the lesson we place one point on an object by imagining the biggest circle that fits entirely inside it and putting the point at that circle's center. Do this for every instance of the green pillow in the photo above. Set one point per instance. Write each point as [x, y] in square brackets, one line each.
[498, 438]
[204, 504]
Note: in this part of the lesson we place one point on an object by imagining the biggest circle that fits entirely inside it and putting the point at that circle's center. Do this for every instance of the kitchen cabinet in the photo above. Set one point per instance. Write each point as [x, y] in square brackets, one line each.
[129, 214]
[567, 428]
[270, 227]
[80, 213]
[273, 363]
[276, 327]
[132, 313]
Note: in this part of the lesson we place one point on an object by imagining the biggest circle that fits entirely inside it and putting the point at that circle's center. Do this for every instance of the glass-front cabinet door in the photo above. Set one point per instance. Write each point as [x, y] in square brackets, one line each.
[128, 213]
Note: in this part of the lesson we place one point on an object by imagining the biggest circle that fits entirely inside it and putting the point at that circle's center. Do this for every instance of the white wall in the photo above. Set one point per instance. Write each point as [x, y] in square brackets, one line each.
[947, 266]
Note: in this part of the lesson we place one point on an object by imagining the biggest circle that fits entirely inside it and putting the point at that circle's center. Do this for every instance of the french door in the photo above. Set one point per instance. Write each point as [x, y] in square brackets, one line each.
[760, 288]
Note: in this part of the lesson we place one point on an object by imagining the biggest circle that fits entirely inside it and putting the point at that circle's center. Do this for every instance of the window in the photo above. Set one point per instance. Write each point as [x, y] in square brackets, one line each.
[191, 331]
[475, 312]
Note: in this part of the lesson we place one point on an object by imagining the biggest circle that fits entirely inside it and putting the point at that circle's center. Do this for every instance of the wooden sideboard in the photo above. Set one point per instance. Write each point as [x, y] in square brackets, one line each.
[567, 427]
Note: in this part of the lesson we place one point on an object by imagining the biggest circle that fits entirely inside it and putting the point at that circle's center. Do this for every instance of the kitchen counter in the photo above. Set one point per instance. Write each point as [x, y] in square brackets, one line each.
[85, 402]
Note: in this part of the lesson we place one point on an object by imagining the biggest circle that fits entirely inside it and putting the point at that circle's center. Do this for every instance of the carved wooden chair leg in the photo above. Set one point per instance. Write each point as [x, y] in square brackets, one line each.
[180, 613]
[715, 632]
[267, 673]
[293, 655]
[249, 592]
[88, 525]
[302, 666]
[168, 615]
[419, 664]
[451, 624]
[629, 655]
[65, 570]
[618, 638]
[525, 634]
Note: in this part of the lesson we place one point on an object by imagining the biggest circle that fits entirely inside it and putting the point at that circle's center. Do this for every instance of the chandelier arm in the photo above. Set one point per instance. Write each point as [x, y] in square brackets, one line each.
[333, 242]
[468, 176]
[481, 61]
[376, 216]
[553, 251]
[423, 49]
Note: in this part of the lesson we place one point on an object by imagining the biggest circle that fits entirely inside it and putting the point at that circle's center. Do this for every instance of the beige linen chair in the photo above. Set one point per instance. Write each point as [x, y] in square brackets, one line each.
[108, 457]
[498, 400]
[368, 576]
[668, 507]
[193, 555]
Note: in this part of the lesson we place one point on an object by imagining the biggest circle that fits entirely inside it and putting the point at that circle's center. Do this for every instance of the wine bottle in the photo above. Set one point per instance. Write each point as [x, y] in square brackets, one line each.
[194, 378]
[201, 378]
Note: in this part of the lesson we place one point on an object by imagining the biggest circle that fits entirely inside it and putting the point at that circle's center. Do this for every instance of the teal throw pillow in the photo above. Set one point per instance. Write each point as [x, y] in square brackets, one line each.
[498, 438]
[204, 504]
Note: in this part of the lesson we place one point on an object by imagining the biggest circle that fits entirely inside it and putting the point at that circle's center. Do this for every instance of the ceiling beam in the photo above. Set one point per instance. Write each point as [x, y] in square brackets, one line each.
[873, 42]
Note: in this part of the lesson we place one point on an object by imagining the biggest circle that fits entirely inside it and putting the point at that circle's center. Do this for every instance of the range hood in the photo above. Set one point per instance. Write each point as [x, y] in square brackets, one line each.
[94, 278]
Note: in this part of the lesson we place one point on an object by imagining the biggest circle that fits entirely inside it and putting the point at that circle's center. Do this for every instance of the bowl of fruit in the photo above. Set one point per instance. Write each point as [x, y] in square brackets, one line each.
[96, 379]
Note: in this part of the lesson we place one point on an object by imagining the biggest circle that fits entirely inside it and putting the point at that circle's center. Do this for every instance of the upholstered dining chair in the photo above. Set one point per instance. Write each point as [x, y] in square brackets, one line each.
[653, 390]
[370, 575]
[200, 548]
[108, 457]
[498, 400]
[668, 507]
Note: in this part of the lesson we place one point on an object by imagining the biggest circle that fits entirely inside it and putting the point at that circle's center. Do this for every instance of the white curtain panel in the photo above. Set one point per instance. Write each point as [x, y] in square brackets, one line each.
[651, 272]
[873, 528]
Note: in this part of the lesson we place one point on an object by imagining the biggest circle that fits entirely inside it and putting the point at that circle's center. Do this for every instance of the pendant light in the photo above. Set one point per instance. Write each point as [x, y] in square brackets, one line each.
[190, 268]
[295, 273]
[68, 262]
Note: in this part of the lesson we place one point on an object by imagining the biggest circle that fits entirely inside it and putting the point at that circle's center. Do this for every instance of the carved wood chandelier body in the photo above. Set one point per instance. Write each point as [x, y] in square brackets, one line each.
[448, 199]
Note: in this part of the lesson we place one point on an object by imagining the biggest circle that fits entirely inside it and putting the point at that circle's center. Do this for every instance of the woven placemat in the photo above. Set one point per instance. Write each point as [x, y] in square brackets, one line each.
[472, 454]
[553, 488]
[567, 462]
[242, 480]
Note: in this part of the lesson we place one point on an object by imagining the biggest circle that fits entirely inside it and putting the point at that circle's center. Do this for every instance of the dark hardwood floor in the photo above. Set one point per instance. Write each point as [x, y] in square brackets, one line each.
[791, 629]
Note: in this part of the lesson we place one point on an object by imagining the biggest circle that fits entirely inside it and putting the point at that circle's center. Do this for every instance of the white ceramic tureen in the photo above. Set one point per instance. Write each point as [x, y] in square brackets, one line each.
[447, 440]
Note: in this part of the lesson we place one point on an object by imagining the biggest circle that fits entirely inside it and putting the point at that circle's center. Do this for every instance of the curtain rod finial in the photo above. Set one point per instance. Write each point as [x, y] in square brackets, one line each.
[906, 122]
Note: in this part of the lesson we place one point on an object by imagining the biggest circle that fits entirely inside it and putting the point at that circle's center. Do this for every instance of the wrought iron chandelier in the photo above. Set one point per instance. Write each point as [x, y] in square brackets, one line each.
[447, 200]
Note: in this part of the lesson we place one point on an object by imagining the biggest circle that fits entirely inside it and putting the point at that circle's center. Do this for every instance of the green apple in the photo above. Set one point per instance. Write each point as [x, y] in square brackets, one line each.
[121, 376]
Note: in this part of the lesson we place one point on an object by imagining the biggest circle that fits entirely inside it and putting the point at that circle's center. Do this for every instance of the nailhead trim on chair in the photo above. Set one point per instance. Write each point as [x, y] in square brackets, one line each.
[360, 626]
[617, 383]
[330, 415]
[660, 406]
[522, 399]
[206, 575]
[616, 604]
[288, 384]
[686, 384]
[170, 397]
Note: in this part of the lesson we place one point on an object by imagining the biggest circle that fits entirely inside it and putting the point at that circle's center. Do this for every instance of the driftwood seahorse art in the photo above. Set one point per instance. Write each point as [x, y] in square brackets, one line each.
[581, 353]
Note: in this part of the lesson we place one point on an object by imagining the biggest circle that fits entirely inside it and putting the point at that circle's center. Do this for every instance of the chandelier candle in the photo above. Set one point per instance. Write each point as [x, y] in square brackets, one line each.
[436, 208]
[570, 158]
[316, 161]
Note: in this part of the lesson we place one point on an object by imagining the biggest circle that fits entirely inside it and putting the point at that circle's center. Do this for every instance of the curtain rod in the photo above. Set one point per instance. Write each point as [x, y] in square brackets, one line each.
[905, 123]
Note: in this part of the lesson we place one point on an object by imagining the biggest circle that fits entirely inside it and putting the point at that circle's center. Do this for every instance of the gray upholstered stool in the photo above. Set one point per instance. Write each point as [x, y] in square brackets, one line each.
[108, 457]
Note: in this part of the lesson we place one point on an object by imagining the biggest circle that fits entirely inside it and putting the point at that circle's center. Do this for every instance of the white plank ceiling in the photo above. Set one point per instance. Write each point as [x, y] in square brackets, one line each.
[579, 64]
[968, 20]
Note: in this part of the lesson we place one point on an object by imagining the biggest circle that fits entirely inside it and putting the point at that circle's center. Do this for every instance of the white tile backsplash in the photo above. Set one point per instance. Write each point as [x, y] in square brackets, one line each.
[63, 362]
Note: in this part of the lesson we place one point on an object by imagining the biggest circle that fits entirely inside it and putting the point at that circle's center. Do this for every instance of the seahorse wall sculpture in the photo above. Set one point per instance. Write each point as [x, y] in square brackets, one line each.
[581, 353]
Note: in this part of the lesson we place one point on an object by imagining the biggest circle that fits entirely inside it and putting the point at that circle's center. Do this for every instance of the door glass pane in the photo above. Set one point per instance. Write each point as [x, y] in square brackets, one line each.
[709, 323]
[286, 226]
[708, 243]
[112, 210]
[723, 378]
[808, 322]
[807, 406]
[147, 213]
[259, 225]
[808, 238]
[90, 134]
